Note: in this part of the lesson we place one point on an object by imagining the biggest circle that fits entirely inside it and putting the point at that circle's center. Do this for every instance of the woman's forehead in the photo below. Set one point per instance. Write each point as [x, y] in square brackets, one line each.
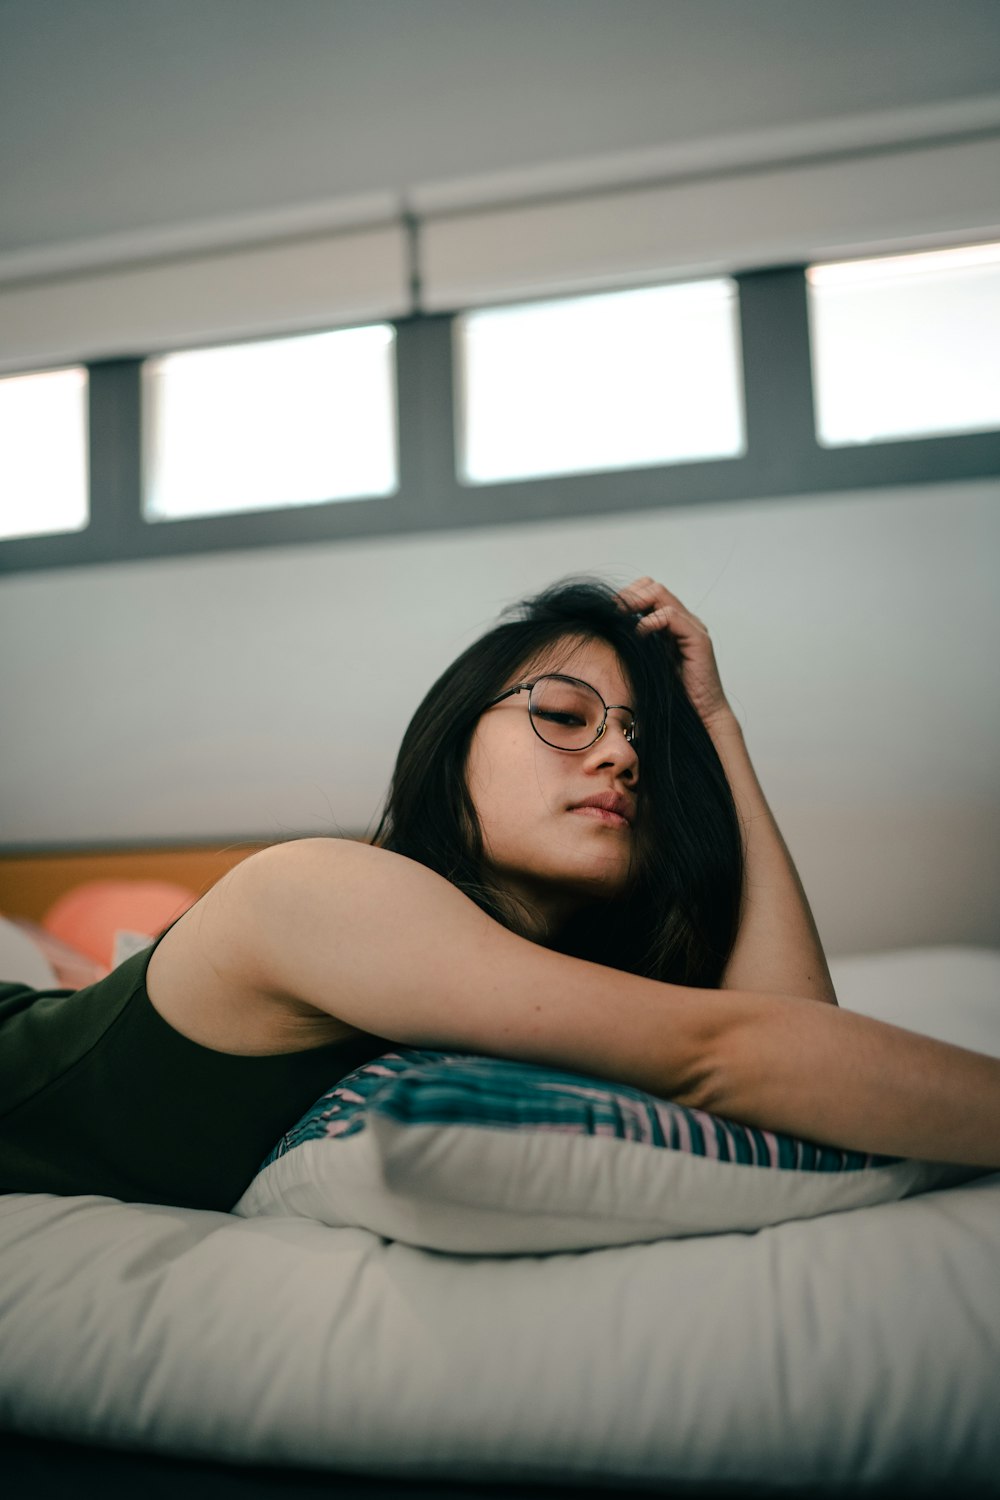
[593, 660]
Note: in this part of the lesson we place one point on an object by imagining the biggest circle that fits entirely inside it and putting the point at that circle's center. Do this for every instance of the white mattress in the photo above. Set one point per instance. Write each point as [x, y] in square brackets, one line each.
[861, 1347]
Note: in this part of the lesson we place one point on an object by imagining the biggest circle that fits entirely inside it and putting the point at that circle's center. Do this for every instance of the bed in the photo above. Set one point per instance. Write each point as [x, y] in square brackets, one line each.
[855, 1352]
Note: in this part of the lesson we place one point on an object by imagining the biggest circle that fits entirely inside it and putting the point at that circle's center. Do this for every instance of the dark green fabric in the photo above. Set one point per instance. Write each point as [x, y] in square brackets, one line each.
[98, 1094]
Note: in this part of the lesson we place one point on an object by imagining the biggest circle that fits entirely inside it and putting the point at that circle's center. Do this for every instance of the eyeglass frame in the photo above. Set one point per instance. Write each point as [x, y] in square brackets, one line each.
[528, 687]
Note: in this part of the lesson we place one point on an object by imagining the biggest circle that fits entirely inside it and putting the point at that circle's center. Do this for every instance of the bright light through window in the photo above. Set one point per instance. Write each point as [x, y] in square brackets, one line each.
[43, 453]
[264, 426]
[906, 346]
[617, 381]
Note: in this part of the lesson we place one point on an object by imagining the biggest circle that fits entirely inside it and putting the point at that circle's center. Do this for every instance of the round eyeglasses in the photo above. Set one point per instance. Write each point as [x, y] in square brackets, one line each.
[566, 713]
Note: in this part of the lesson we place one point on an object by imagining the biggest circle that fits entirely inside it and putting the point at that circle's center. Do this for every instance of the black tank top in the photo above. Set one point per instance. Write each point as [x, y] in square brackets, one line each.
[99, 1094]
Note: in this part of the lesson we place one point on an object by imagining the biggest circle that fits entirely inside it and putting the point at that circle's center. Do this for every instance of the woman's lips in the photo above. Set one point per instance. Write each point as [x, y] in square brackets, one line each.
[603, 815]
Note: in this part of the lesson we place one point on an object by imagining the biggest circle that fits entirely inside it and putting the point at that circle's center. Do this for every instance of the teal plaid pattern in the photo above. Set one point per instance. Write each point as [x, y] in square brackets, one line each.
[419, 1087]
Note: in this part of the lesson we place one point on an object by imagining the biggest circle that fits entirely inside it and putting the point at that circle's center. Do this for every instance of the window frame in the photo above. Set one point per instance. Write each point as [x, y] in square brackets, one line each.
[783, 457]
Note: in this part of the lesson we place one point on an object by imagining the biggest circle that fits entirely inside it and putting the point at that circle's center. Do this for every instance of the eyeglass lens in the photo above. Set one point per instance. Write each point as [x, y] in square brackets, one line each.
[565, 714]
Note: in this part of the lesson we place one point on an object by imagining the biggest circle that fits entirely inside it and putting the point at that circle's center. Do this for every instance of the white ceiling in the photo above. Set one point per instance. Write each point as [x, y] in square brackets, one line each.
[119, 117]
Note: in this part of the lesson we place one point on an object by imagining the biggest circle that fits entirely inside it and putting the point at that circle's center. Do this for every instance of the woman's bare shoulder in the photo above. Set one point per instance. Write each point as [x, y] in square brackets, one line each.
[385, 945]
[321, 851]
[200, 978]
[314, 858]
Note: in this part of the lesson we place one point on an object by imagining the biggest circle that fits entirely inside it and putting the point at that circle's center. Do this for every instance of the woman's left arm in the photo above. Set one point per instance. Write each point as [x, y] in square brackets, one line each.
[777, 948]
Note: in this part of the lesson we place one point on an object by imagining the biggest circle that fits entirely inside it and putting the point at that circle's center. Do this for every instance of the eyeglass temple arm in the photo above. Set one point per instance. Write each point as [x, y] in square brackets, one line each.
[520, 688]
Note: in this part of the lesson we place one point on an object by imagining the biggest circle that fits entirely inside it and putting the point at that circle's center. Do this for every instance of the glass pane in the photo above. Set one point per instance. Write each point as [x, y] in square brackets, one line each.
[906, 346]
[263, 426]
[617, 381]
[43, 453]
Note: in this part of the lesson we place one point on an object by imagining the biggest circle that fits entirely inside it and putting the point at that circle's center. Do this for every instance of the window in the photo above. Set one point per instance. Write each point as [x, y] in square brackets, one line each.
[906, 346]
[268, 425]
[678, 395]
[617, 381]
[43, 453]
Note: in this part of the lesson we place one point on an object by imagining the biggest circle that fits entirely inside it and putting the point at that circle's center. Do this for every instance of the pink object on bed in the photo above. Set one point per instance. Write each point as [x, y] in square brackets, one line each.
[92, 917]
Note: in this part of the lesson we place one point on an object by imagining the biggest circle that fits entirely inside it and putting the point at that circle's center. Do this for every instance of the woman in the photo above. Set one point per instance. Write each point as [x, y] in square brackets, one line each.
[576, 867]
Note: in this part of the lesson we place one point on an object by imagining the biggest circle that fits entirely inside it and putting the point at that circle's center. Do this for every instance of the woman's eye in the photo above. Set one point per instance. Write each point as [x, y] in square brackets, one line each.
[551, 717]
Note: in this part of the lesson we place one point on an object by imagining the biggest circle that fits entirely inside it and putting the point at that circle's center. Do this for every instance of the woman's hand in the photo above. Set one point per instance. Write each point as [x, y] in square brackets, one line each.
[662, 610]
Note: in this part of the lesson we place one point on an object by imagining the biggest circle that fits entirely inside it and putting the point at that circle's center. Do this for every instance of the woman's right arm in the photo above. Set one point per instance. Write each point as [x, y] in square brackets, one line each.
[387, 946]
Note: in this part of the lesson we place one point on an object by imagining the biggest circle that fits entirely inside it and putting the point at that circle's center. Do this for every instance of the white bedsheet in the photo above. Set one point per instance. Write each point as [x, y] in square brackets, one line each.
[859, 1347]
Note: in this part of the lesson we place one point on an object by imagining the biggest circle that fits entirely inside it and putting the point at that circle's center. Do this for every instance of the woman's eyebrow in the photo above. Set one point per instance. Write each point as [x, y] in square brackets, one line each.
[565, 672]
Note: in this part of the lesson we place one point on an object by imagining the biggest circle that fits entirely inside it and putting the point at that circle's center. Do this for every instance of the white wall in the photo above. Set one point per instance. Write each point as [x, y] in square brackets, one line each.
[265, 693]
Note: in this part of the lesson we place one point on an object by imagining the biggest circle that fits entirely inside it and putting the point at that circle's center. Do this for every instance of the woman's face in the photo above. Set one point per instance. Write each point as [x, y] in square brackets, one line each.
[536, 845]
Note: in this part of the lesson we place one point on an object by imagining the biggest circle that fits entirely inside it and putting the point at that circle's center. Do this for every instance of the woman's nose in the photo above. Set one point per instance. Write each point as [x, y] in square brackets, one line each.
[613, 745]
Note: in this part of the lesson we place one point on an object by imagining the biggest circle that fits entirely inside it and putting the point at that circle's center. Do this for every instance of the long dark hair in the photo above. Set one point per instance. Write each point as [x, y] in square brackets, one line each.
[679, 919]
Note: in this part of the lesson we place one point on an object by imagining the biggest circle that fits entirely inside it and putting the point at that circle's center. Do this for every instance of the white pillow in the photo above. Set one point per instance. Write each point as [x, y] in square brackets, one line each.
[21, 962]
[479, 1155]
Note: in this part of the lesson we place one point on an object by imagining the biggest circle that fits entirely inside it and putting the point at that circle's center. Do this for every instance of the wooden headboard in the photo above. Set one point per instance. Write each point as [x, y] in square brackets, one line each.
[30, 883]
